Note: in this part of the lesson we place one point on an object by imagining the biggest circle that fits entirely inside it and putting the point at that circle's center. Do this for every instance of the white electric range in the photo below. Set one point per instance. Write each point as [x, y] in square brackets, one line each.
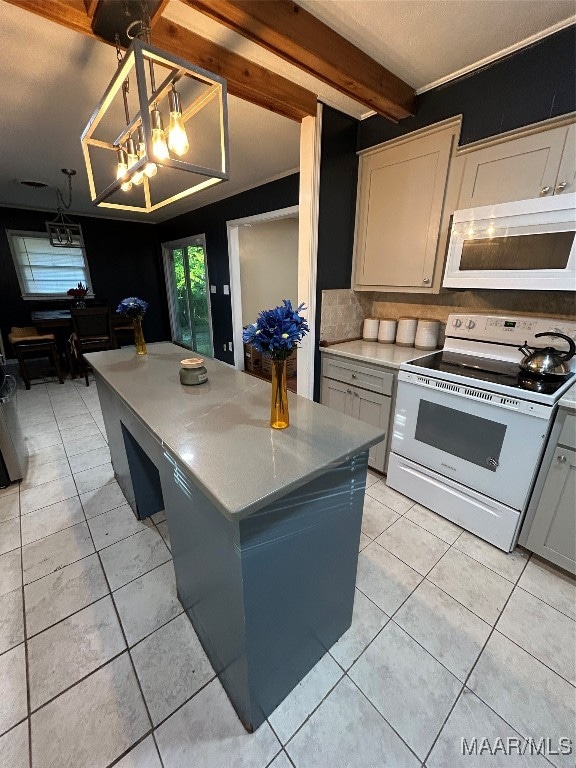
[469, 431]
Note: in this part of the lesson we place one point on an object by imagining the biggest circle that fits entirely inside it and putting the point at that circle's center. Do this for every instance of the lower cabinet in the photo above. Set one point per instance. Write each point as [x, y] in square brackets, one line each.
[362, 404]
[550, 527]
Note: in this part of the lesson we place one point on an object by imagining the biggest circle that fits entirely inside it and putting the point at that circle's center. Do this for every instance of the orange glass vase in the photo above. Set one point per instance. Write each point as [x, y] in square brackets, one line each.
[139, 341]
[279, 418]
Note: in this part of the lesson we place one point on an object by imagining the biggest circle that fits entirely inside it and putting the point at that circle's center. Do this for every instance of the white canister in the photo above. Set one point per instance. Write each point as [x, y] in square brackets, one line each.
[427, 334]
[406, 333]
[370, 329]
[387, 331]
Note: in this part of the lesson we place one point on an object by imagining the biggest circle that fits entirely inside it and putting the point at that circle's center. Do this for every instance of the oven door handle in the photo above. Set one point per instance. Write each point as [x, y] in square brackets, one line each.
[473, 394]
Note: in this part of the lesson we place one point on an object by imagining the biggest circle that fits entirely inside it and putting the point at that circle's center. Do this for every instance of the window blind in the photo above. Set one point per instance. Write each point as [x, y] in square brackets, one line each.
[45, 271]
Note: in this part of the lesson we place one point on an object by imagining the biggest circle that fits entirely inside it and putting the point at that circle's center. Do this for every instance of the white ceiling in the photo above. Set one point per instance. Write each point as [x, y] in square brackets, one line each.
[423, 41]
[52, 78]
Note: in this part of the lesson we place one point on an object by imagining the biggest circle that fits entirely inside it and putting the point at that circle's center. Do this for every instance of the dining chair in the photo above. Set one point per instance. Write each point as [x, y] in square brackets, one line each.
[92, 333]
[122, 332]
[27, 342]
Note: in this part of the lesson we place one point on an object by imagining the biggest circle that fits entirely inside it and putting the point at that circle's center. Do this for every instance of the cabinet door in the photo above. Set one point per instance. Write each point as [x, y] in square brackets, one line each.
[401, 195]
[566, 179]
[373, 409]
[553, 531]
[337, 395]
[517, 169]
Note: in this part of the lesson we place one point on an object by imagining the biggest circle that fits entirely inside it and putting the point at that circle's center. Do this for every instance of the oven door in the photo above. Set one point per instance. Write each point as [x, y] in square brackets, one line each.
[470, 436]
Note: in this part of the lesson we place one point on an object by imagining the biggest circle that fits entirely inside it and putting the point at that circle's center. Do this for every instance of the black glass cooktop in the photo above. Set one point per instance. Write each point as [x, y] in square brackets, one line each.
[486, 369]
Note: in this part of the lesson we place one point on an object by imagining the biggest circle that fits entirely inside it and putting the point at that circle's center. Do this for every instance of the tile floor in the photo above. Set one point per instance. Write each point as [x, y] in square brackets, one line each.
[99, 666]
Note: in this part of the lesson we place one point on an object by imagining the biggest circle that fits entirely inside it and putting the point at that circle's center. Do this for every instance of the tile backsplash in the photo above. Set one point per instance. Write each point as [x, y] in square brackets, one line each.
[344, 310]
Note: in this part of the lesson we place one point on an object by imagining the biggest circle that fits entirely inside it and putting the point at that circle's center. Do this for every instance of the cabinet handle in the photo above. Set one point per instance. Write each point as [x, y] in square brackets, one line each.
[348, 391]
[544, 191]
[562, 459]
[426, 281]
[562, 186]
[354, 376]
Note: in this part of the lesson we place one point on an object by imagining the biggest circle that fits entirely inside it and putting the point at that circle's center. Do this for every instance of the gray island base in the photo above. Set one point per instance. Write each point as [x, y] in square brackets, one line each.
[264, 524]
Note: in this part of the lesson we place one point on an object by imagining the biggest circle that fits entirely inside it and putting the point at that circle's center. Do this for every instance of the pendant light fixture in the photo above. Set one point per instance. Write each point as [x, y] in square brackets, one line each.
[152, 167]
[62, 232]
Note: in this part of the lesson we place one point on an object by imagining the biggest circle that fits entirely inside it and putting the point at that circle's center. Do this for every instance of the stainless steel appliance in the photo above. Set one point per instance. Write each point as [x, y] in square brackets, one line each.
[470, 429]
[547, 363]
[13, 453]
[527, 244]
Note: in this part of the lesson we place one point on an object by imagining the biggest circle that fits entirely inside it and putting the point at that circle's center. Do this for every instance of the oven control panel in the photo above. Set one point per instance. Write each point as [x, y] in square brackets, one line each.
[509, 329]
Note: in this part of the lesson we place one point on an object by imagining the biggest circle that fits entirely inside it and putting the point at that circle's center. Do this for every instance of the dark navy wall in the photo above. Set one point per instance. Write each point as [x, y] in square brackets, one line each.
[525, 87]
[211, 221]
[124, 259]
[336, 210]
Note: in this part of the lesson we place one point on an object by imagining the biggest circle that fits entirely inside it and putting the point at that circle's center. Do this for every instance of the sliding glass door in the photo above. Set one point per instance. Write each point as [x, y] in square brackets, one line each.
[188, 294]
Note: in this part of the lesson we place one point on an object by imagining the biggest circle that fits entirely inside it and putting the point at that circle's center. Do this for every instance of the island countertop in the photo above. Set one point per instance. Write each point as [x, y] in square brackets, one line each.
[219, 431]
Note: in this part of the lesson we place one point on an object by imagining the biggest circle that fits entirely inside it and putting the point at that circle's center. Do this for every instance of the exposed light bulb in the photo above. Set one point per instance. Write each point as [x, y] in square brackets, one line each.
[141, 142]
[177, 138]
[150, 169]
[122, 170]
[159, 146]
[138, 176]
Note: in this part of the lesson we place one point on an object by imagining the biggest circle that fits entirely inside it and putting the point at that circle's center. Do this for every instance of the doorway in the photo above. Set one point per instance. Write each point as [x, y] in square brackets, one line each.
[307, 212]
[186, 273]
[263, 255]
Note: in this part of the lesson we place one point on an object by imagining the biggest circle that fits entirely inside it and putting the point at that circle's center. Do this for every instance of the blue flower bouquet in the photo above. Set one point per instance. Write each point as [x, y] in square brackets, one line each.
[135, 309]
[276, 333]
[132, 307]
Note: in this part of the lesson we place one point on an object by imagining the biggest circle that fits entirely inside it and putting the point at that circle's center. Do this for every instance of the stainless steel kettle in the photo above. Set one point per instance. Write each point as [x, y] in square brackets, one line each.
[547, 362]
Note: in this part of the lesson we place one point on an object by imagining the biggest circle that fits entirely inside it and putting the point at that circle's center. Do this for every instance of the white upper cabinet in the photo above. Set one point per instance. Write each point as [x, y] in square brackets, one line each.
[401, 191]
[566, 179]
[538, 164]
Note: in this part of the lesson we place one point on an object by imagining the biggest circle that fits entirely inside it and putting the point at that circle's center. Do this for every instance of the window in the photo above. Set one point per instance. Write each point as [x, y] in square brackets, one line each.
[45, 272]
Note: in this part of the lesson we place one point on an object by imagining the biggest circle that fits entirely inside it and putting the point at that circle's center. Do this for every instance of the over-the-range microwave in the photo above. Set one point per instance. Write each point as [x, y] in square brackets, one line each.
[526, 245]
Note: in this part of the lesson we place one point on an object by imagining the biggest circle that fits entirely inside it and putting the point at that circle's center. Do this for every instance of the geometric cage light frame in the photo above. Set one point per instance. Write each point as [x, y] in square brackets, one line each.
[137, 58]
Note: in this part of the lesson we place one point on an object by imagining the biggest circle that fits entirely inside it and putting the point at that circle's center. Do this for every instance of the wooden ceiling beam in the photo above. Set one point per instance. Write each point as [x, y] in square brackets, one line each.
[157, 15]
[297, 36]
[69, 13]
[91, 6]
[245, 79]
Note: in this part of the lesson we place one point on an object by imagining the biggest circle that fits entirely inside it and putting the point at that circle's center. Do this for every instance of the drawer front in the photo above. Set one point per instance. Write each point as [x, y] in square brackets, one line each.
[359, 375]
[568, 433]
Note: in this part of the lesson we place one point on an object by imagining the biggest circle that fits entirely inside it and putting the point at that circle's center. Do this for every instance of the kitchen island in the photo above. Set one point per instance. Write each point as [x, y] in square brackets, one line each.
[264, 524]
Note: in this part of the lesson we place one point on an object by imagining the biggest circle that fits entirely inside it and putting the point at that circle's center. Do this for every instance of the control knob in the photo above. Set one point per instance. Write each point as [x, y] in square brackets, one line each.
[457, 322]
[470, 324]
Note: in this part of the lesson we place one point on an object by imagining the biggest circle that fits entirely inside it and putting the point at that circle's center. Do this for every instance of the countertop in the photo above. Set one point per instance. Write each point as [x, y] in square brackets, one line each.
[219, 431]
[569, 399]
[390, 355]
